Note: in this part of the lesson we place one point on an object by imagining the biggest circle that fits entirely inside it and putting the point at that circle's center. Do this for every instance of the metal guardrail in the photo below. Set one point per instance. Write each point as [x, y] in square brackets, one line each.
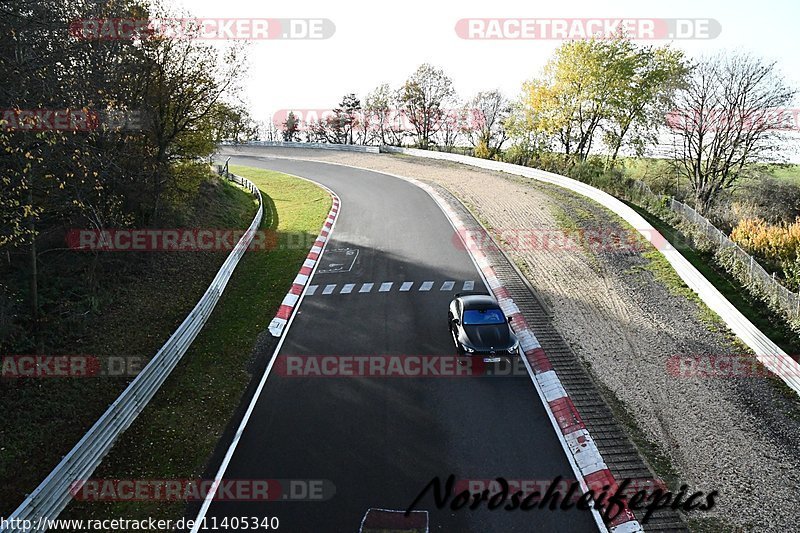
[322, 146]
[54, 493]
[767, 352]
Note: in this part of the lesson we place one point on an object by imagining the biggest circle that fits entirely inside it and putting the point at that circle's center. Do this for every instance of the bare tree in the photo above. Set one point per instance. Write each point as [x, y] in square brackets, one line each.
[379, 105]
[329, 129]
[487, 113]
[268, 131]
[728, 118]
[425, 95]
[363, 127]
[453, 123]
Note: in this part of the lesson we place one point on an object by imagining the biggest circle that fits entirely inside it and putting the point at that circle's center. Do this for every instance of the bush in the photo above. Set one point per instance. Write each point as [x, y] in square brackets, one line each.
[777, 245]
[482, 151]
[518, 154]
[772, 242]
[772, 199]
[587, 171]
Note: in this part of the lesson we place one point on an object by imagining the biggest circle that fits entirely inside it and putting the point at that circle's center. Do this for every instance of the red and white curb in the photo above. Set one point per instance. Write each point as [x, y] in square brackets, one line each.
[289, 302]
[562, 411]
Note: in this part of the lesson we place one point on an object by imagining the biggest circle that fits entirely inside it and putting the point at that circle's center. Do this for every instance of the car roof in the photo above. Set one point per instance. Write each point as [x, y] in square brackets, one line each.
[479, 301]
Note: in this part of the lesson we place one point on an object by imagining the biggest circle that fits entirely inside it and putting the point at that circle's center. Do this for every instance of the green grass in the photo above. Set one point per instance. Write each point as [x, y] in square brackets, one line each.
[176, 434]
[789, 171]
[663, 272]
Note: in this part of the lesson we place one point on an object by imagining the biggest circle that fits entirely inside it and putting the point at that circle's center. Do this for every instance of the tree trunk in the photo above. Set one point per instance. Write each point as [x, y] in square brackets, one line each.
[34, 280]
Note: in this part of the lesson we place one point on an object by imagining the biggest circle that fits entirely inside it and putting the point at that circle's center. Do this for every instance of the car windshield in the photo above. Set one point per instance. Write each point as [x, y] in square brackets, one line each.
[475, 317]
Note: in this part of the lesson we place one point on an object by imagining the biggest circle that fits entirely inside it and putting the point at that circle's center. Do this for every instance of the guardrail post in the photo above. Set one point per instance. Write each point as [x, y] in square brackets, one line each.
[775, 286]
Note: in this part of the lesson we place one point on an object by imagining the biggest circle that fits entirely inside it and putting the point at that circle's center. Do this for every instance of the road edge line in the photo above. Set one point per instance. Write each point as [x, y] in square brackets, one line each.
[284, 328]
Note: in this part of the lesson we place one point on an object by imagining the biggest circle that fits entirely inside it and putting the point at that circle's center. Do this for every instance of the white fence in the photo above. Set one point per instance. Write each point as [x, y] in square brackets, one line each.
[54, 493]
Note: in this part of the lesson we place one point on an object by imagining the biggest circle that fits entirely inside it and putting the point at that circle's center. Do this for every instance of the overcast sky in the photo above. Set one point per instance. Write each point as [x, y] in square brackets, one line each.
[378, 42]
[384, 42]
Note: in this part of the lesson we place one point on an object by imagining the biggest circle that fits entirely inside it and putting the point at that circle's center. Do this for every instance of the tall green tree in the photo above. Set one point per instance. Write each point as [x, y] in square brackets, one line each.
[608, 90]
[112, 174]
[639, 107]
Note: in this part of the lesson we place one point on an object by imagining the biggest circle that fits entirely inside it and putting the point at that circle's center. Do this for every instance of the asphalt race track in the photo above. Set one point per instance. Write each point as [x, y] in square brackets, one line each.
[380, 440]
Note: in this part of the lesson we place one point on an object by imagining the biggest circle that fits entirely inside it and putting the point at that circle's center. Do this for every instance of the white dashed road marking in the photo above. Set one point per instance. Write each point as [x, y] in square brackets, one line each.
[388, 286]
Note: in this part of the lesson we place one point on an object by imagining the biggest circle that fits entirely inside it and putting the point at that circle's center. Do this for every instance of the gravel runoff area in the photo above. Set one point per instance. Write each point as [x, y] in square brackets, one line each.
[737, 436]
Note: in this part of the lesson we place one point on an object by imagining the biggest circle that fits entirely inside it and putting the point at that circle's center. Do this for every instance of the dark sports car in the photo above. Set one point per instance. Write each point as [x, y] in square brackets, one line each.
[480, 328]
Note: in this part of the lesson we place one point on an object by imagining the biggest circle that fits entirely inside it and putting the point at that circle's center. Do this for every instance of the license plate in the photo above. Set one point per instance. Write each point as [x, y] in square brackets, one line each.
[491, 359]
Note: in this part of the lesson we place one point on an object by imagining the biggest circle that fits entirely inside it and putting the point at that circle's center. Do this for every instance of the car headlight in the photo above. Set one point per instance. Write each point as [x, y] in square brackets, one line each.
[468, 349]
[514, 348]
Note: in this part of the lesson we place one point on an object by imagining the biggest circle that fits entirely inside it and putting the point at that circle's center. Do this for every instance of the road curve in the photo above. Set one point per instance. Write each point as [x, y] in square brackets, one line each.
[379, 441]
